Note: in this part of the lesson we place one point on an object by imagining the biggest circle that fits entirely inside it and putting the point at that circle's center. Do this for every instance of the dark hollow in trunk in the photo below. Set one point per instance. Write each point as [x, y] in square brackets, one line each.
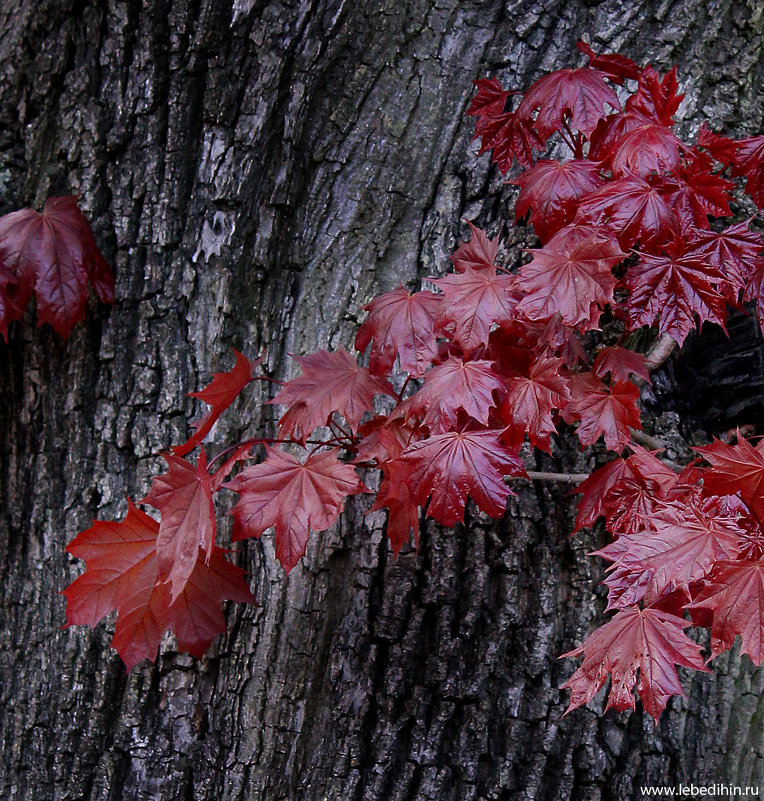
[256, 171]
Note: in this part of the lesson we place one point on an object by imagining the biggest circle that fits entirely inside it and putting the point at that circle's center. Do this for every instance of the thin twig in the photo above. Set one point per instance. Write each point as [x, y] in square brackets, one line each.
[654, 444]
[562, 478]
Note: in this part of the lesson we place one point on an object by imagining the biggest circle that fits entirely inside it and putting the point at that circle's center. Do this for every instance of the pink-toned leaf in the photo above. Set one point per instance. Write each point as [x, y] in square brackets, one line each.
[54, 255]
[400, 323]
[650, 641]
[529, 402]
[621, 364]
[570, 276]
[477, 254]
[183, 496]
[293, 497]
[456, 385]
[603, 411]
[220, 393]
[676, 288]
[330, 382]
[473, 301]
[749, 161]
[446, 468]
[577, 95]
[734, 596]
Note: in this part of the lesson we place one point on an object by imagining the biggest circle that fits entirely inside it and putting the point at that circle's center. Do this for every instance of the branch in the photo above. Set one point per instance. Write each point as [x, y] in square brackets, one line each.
[561, 478]
[662, 348]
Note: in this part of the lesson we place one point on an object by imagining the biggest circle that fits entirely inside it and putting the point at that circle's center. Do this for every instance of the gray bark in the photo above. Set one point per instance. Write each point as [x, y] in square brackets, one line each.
[256, 172]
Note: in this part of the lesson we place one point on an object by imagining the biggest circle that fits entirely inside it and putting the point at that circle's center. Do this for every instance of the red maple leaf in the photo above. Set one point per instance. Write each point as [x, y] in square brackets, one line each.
[621, 364]
[122, 575]
[448, 467]
[509, 137]
[749, 161]
[611, 130]
[402, 509]
[54, 255]
[656, 98]
[453, 385]
[400, 323]
[477, 254]
[293, 497]
[721, 148]
[614, 65]
[679, 547]
[577, 95]
[645, 149]
[641, 468]
[220, 393]
[603, 411]
[472, 302]
[734, 595]
[490, 99]
[676, 288]
[183, 496]
[650, 641]
[632, 209]
[694, 193]
[735, 251]
[570, 276]
[528, 404]
[735, 469]
[551, 190]
[330, 382]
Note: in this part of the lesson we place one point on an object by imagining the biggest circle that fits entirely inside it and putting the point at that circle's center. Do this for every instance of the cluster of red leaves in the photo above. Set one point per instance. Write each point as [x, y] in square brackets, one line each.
[52, 256]
[457, 378]
[691, 541]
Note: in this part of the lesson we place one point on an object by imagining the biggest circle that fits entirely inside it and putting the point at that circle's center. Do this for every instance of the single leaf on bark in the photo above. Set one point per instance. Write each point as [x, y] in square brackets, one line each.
[293, 497]
[122, 575]
[603, 411]
[490, 99]
[330, 382]
[447, 467]
[402, 324]
[551, 190]
[473, 301]
[220, 393]
[183, 496]
[54, 255]
[650, 641]
[734, 595]
[578, 96]
[477, 254]
[570, 276]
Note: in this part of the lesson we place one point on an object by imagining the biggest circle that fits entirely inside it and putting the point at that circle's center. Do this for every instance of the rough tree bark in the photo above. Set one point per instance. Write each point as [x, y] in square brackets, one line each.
[256, 171]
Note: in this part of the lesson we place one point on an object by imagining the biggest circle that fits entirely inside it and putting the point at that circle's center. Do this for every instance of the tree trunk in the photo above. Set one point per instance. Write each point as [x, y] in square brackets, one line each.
[256, 171]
